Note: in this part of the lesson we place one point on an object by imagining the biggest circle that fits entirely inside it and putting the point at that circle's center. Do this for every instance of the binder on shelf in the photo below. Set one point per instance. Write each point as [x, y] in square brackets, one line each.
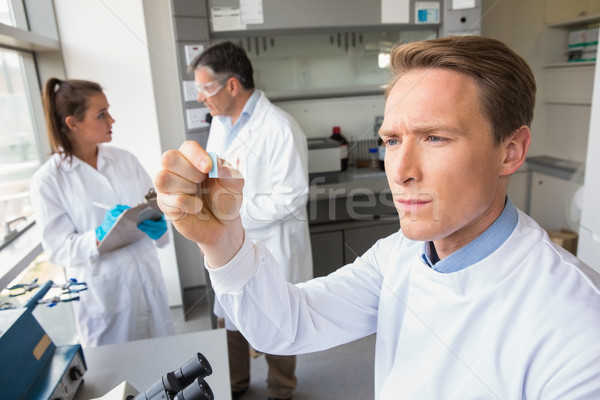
[125, 230]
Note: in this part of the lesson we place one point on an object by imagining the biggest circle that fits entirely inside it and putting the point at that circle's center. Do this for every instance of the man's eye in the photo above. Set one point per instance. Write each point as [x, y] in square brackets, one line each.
[391, 142]
[436, 139]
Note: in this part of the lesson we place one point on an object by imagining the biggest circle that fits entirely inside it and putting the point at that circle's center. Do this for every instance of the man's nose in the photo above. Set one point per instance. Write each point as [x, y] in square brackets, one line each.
[404, 163]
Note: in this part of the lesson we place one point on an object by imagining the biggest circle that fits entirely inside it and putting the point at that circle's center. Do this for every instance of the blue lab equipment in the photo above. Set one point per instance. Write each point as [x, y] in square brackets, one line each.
[35, 368]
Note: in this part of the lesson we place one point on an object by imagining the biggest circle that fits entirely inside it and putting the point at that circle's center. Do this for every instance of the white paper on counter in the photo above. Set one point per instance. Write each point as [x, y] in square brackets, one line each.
[252, 11]
[395, 11]
[226, 19]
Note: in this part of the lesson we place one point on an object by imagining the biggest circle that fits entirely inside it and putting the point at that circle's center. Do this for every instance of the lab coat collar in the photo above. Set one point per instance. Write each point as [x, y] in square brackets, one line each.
[70, 164]
[259, 113]
[481, 247]
[254, 124]
[104, 157]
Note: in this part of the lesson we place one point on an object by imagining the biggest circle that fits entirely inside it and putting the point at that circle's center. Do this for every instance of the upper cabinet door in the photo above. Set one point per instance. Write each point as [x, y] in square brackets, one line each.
[558, 11]
[269, 15]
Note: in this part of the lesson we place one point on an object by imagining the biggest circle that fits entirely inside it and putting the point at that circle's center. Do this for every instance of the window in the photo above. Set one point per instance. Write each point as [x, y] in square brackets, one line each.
[19, 155]
[58, 321]
[28, 47]
[29, 54]
[6, 14]
[29, 51]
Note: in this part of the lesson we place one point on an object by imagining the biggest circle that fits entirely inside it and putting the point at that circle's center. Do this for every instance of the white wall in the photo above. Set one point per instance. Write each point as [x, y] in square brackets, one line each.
[354, 115]
[105, 41]
[520, 25]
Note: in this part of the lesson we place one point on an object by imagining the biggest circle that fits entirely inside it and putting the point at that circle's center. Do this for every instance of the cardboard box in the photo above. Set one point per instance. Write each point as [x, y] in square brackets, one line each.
[565, 238]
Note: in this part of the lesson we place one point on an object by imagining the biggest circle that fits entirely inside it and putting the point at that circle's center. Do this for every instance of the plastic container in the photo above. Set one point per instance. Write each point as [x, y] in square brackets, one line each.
[373, 158]
[338, 137]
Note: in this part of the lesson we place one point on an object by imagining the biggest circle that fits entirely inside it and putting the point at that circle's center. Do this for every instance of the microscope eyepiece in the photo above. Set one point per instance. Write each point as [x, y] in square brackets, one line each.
[185, 383]
[198, 390]
[197, 367]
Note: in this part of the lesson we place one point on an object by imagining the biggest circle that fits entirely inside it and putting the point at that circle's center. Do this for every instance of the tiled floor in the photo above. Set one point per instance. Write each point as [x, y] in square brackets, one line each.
[343, 372]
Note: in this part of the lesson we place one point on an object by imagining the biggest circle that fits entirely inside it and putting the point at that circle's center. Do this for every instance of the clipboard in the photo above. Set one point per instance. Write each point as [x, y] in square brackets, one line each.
[125, 230]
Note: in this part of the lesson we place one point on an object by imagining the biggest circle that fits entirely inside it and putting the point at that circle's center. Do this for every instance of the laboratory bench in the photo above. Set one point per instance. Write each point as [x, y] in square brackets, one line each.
[141, 363]
[326, 184]
[348, 212]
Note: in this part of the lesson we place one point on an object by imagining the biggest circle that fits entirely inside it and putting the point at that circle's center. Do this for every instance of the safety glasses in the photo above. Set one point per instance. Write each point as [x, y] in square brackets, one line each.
[211, 88]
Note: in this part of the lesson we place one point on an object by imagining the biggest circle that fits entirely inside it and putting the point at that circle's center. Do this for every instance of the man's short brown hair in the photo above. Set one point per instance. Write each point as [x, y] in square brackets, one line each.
[506, 83]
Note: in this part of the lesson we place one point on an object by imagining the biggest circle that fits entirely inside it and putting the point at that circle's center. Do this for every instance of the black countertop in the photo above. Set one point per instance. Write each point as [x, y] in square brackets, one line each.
[341, 184]
[358, 194]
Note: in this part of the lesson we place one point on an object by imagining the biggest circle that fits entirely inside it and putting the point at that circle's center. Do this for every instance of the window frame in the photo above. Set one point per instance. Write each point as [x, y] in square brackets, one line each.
[35, 38]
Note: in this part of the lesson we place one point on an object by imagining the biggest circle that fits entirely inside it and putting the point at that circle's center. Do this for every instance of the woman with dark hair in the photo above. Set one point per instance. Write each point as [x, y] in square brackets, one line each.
[126, 297]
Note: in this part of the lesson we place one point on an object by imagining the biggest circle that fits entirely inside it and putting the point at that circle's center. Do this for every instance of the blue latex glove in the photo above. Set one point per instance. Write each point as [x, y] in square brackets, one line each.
[109, 220]
[152, 228]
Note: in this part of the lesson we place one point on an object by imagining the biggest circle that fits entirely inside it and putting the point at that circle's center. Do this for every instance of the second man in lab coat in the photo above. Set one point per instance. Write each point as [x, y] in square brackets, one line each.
[268, 147]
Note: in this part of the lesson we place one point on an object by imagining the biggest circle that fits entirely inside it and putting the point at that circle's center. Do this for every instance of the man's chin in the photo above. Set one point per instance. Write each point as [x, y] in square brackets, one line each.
[414, 230]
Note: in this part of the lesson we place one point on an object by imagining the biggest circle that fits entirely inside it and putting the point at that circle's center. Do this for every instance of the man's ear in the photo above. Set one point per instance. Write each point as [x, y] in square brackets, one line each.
[71, 122]
[515, 150]
[234, 85]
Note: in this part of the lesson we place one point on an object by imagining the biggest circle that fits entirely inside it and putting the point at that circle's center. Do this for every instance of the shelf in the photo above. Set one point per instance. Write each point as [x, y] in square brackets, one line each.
[569, 83]
[254, 30]
[567, 102]
[575, 22]
[325, 93]
[557, 39]
[572, 64]
[554, 166]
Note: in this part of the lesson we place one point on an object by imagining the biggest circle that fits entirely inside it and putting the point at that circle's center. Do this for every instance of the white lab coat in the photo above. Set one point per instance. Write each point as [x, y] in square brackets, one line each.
[126, 297]
[271, 153]
[522, 323]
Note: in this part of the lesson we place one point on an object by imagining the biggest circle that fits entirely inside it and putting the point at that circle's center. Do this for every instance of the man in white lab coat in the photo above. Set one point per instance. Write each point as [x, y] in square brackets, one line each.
[269, 149]
[471, 299]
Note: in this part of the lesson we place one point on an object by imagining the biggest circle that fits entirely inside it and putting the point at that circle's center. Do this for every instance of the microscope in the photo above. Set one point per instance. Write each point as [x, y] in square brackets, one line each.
[185, 383]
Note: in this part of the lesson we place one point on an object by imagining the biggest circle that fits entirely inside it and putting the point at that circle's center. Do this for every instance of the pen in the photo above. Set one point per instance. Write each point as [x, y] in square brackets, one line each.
[100, 205]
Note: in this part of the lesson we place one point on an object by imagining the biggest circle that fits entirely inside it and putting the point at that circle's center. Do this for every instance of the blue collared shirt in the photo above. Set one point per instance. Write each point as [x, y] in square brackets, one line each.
[484, 245]
[233, 131]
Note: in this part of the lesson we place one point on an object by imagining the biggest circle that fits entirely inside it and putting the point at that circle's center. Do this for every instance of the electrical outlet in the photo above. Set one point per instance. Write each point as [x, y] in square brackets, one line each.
[191, 51]
[190, 92]
[196, 118]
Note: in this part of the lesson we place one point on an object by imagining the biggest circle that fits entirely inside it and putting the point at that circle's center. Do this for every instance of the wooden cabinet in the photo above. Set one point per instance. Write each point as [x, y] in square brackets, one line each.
[557, 11]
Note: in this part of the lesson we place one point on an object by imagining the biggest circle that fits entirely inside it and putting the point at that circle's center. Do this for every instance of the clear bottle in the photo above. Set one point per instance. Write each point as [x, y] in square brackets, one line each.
[373, 158]
[338, 137]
